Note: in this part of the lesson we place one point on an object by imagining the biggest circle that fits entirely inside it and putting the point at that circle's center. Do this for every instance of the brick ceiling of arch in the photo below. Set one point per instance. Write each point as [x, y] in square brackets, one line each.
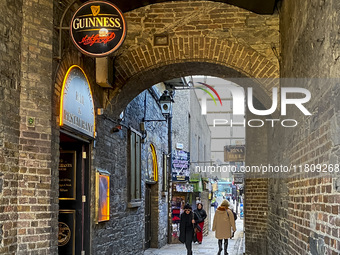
[202, 37]
[257, 6]
[155, 74]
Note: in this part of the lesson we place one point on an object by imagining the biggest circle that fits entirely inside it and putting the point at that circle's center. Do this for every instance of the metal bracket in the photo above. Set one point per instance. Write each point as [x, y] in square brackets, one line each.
[60, 28]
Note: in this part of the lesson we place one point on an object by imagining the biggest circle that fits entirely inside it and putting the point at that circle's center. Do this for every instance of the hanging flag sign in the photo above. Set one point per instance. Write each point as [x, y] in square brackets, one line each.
[98, 28]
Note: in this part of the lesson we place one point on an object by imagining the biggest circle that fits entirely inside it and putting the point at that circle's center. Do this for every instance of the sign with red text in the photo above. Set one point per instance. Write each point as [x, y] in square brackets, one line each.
[98, 28]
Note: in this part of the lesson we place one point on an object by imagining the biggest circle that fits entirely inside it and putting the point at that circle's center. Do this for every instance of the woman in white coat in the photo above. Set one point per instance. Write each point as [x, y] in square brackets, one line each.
[223, 222]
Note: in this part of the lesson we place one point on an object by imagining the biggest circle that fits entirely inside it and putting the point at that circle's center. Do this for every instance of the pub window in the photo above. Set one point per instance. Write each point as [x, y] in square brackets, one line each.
[135, 165]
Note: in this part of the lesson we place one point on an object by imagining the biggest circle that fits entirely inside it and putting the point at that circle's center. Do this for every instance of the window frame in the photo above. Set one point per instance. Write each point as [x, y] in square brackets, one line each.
[135, 169]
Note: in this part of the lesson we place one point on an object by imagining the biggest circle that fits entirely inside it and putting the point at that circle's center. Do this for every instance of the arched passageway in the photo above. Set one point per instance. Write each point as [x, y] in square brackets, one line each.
[239, 49]
[195, 38]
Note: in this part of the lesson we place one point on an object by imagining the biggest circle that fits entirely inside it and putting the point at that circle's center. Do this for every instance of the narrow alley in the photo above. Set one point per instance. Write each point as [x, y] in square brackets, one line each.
[208, 247]
[125, 124]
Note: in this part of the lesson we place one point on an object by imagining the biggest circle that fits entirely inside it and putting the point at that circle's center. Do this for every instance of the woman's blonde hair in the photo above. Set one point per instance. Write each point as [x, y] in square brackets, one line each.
[225, 203]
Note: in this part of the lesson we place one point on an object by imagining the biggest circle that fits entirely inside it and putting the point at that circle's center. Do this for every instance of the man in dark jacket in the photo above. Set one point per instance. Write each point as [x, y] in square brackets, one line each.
[187, 228]
[200, 215]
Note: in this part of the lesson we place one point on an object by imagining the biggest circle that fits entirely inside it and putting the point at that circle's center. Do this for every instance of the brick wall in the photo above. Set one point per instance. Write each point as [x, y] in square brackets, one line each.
[37, 194]
[29, 154]
[204, 38]
[10, 44]
[256, 209]
[304, 208]
[256, 188]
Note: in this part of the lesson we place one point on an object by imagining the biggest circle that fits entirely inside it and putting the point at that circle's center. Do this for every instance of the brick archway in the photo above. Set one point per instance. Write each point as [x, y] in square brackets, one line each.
[142, 67]
[203, 39]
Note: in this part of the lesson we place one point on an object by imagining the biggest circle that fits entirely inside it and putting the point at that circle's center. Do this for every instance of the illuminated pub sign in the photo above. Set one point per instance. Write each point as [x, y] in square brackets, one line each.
[76, 103]
[98, 28]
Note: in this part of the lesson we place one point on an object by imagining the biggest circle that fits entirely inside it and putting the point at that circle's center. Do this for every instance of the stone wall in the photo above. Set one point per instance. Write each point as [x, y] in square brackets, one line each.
[181, 120]
[304, 208]
[199, 134]
[125, 230]
[190, 127]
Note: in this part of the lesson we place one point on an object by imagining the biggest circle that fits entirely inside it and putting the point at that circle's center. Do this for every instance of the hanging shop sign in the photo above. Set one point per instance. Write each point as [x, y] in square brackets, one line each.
[180, 165]
[98, 28]
[238, 178]
[76, 103]
[234, 153]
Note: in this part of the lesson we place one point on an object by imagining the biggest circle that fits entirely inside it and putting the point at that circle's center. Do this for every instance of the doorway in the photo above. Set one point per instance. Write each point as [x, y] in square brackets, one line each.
[74, 175]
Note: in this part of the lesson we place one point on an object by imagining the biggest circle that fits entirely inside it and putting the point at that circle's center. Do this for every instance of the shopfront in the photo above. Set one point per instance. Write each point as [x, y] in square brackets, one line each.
[77, 131]
[181, 189]
[181, 195]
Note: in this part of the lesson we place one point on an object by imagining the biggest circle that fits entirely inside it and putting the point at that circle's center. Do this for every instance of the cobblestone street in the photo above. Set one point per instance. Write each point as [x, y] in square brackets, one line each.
[208, 247]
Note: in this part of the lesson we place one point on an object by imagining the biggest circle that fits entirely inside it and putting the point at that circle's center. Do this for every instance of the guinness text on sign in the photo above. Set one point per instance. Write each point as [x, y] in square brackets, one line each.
[98, 28]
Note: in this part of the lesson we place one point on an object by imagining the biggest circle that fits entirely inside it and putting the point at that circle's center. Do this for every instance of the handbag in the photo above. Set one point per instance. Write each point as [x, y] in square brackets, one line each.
[232, 232]
[197, 228]
[199, 217]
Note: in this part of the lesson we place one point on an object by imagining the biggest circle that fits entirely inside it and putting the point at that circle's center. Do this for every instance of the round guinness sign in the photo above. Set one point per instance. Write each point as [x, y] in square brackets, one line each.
[98, 28]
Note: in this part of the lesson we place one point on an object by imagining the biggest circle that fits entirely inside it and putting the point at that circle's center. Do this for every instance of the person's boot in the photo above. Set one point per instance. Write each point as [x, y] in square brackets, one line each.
[219, 246]
[225, 246]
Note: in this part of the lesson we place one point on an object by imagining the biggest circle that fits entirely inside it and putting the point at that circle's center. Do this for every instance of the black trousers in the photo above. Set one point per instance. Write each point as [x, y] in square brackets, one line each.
[225, 246]
[188, 242]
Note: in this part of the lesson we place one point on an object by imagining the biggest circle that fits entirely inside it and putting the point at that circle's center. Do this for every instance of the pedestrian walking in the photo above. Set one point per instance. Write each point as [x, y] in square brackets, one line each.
[199, 216]
[214, 203]
[222, 224]
[187, 228]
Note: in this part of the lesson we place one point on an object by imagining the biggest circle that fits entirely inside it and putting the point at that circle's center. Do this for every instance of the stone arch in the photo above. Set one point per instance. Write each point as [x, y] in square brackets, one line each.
[142, 67]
